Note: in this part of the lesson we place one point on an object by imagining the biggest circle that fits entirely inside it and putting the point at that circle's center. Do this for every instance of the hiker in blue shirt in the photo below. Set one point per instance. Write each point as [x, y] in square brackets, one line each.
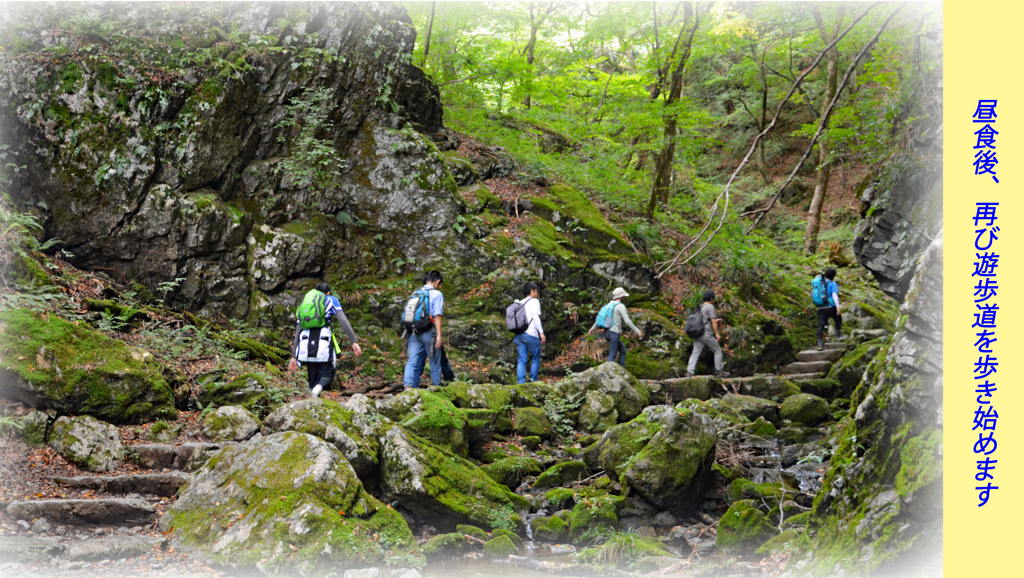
[831, 309]
[428, 343]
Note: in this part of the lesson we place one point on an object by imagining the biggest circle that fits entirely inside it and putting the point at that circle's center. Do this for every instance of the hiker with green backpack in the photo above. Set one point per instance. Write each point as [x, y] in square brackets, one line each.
[825, 295]
[610, 318]
[314, 344]
[702, 327]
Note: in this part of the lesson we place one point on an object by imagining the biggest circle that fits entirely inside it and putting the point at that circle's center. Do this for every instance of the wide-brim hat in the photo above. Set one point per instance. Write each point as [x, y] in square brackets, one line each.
[619, 293]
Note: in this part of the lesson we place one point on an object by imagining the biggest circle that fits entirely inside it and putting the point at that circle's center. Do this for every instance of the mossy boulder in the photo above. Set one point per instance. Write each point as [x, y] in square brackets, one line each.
[549, 529]
[478, 533]
[561, 474]
[829, 389]
[795, 434]
[88, 443]
[33, 428]
[532, 421]
[561, 498]
[445, 546]
[770, 387]
[354, 433]
[593, 515]
[743, 528]
[751, 407]
[511, 471]
[849, 370]
[287, 503]
[531, 443]
[48, 362]
[428, 415]
[702, 387]
[511, 535]
[441, 488]
[230, 424]
[499, 548]
[611, 379]
[766, 494]
[664, 455]
[784, 541]
[760, 428]
[805, 408]
[163, 432]
[249, 390]
[597, 413]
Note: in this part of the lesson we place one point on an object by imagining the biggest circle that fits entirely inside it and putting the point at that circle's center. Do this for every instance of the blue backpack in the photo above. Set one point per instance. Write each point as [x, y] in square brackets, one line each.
[604, 316]
[818, 293]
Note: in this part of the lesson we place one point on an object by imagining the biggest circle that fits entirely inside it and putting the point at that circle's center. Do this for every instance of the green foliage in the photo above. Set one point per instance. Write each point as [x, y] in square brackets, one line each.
[621, 549]
[312, 161]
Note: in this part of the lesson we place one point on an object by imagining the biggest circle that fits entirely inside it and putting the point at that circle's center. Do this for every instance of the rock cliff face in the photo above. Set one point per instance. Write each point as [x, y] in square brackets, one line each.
[180, 169]
[880, 509]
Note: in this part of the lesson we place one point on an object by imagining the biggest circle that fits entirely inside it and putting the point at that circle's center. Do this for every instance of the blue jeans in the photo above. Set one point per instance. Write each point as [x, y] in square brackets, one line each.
[420, 347]
[527, 344]
[616, 348]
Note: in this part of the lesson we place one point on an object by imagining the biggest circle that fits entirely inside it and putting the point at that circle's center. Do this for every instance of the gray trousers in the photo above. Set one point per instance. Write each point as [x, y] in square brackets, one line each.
[707, 340]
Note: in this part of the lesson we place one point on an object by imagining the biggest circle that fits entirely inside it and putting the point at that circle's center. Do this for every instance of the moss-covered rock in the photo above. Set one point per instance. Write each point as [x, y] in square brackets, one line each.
[445, 546]
[849, 370]
[630, 396]
[702, 387]
[511, 536]
[784, 541]
[743, 528]
[288, 502]
[799, 435]
[33, 428]
[770, 387]
[549, 529]
[829, 389]
[760, 428]
[561, 498]
[532, 421]
[511, 471]
[71, 368]
[664, 455]
[561, 474]
[805, 408]
[478, 533]
[499, 548]
[531, 443]
[87, 443]
[163, 432]
[593, 515]
[428, 415]
[443, 489]
[627, 551]
[230, 424]
[597, 413]
[766, 495]
[751, 407]
[354, 433]
[249, 390]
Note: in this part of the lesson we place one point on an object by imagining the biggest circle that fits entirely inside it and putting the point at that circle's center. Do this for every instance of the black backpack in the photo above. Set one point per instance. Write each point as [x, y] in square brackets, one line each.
[694, 326]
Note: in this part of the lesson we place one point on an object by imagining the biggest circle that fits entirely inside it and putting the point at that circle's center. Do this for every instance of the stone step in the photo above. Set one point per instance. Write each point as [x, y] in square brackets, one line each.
[163, 485]
[120, 511]
[820, 355]
[837, 345]
[803, 376]
[36, 549]
[184, 457]
[806, 367]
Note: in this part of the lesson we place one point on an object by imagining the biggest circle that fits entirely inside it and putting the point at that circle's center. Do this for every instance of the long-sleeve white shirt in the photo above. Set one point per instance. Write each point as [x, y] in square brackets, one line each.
[533, 316]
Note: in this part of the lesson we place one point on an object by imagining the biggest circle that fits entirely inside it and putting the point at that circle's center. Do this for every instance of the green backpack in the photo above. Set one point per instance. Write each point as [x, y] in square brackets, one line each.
[310, 314]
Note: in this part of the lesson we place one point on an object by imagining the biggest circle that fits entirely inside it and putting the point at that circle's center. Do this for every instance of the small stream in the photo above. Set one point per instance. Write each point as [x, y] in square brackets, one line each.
[475, 564]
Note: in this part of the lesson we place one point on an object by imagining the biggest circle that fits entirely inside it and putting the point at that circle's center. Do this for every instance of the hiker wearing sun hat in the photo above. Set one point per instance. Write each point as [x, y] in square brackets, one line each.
[610, 318]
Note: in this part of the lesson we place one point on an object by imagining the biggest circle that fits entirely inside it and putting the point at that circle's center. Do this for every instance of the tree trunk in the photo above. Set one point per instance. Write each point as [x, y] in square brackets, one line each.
[430, 28]
[824, 169]
[762, 165]
[663, 164]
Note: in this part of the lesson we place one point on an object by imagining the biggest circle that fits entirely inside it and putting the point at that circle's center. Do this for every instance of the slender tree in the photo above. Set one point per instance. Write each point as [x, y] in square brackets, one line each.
[828, 35]
[430, 28]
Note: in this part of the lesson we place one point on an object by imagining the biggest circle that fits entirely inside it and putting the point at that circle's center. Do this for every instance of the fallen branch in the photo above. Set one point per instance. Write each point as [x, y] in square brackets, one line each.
[374, 387]
[822, 123]
[674, 262]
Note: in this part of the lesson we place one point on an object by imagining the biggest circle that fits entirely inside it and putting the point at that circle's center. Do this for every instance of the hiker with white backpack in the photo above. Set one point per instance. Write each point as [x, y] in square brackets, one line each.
[610, 318]
[314, 344]
[523, 318]
[421, 319]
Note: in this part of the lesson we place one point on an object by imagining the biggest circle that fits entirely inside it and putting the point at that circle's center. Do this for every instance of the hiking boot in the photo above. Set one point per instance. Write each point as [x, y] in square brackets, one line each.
[722, 374]
[315, 392]
[690, 374]
[820, 345]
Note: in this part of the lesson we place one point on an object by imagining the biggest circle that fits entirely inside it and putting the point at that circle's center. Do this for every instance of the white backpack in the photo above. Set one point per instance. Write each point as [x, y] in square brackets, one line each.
[315, 345]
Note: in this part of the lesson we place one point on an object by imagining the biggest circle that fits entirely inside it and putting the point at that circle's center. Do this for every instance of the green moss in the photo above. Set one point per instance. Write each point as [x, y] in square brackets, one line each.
[511, 471]
[593, 515]
[743, 528]
[561, 474]
[511, 536]
[532, 421]
[782, 542]
[473, 531]
[249, 390]
[767, 494]
[574, 205]
[920, 462]
[542, 236]
[79, 370]
[622, 550]
[561, 498]
[499, 548]
[446, 546]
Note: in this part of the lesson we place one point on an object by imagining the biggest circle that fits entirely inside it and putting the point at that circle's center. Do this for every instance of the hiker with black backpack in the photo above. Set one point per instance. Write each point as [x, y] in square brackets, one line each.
[825, 294]
[702, 327]
[523, 318]
[421, 320]
[314, 344]
[610, 318]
